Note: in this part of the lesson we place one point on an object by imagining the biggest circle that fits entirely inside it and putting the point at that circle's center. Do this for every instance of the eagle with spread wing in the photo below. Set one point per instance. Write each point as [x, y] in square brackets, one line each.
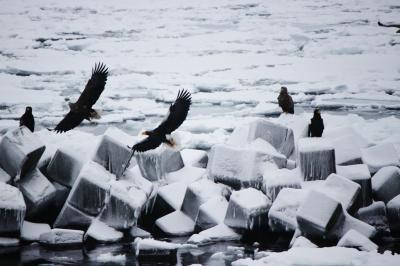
[82, 109]
[390, 26]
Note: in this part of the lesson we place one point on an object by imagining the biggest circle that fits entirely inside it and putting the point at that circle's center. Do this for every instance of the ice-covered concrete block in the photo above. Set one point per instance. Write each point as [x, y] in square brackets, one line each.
[360, 174]
[169, 198]
[102, 233]
[135, 178]
[139, 232]
[393, 213]
[236, 167]
[12, 210]
[316, 158]
[71, 217]
[386, 183]
[60, 196]
[176, 223]
[90, 188]
[282, 215]
[4, 177]
[38, 192]
[375, 215]
[269, 151]
[20, 151]
[31, 231]
[276, 180]
[379, 156]
[198, 193]
[195, 158]
[123, 206]
[220, 232]
[354, 239]
[248, 210]
[303, 242]
[62, 237]
[155, 164]
[187, 174]
[347, 150]
[65, 166]
[211, 213]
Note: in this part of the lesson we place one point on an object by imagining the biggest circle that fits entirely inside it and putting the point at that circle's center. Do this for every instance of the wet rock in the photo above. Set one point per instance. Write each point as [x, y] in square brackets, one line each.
[20, 151]
[195, 158]
[353, 239]
[62, 237]
[12, 210]
[386, 183]
[211, 213]
[379, 156]
[375, 215]
[101, 232]
[275, 181]
[393, 212]
[316, 158]
[71, 217]
[176, 223]
[31, 231]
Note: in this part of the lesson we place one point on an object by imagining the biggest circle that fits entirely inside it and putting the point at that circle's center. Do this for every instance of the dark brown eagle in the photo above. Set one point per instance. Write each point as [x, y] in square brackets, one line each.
[390, 26]
[27, 119]
[82, 109]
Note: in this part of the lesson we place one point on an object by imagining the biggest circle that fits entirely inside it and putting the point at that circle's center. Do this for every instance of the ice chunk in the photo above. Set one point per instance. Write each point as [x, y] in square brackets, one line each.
[155, 164]
[12, 210]
[212, 213]
[38, 192]
[274, 181]
[154, 247]
[282, 215]
[386, 183]
[187, 174]
[316, 158]
[62, 237]
[102, 233]
[9, 242]
[248, 210]
[109, 258]
[65, 167]
[32, 231]
[347, 150]
[196, 158]
[360, 174]
[301, 241]
[393, 212]
[176, 223]
[353, 239]
[90, 189]
[379, 156]
[139, 232]
[70, 217]
[4, 177]
[20, 151]
[375, 215]
[220, 232]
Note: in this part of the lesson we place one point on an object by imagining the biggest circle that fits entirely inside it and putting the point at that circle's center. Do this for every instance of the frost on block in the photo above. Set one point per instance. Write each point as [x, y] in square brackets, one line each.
[282, 215]
[360, 174]
[347, 150]
[155, 164]
[196, 158]
[20, 151]
[198, 193]
[62, 237]
[220, 232]
[123, 206]
[4, 177]
[248, 210]
[276, 180]
[32, 231]
[12, 210]
[393, 211]
[386, 183]
[316, 158]
[176, 223]
[70, 217]
[211, 213]
[380, 156]
[38, 192]
[187, 174]
[90, 189]
[375, 215]
[102, 233]
[65, 166]
[353, 239]
[236, 167]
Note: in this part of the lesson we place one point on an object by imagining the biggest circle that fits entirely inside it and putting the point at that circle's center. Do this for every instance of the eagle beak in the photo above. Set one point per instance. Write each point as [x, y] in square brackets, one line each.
[171, 143]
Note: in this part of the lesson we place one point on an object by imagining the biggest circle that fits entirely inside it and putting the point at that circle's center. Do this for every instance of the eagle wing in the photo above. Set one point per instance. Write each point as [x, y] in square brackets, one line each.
[148, 143]
[94, 87]
[71, 120]
[177, 113]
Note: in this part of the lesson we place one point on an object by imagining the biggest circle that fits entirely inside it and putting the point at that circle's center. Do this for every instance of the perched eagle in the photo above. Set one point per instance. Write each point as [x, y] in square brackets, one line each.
[27, 119]
[177, 114]
[82, 109]
[390, 26]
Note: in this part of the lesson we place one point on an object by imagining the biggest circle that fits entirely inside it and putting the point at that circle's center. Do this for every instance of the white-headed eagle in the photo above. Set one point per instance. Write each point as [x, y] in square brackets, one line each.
[82, 109]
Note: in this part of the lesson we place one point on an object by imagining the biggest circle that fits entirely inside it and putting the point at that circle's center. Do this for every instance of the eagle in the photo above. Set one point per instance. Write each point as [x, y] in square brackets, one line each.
[27, 119]
[177, 114]
[390, 26]
[82, 109]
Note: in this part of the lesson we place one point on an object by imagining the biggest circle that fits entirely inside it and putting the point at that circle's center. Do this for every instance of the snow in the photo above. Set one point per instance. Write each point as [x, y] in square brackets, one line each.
[250, 198]
[152, 244]
[187, 174]
[11, 198]
[9, 242]
[386, 183]
[379, 156]
[102, 232]
[176, 223]
[192, 157]
[173, 194]
[354, 239]
[62, 237]
[138, 232]
[301, 241]
[212, 212]
[110, 258]
[32, 231]
[274, 181]
[220, 232]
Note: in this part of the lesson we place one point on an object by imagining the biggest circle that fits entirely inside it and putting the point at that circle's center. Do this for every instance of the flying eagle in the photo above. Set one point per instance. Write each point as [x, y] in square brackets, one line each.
[82, 109]
[27, 119]
[390, 26]
[178, 112]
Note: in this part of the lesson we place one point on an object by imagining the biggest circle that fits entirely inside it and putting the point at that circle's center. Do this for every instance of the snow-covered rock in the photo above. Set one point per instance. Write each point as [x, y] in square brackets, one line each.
[248, 210]
[187, 174]
[71, 217]
[275, 181]
[101, 232]
[386, 183]
[360, 174]
[4, 177]
[301, 241]
[195, 158]
[393, 212]
[379, 156]
[139, 232]
[155, 164]
[211, 213]
[220, 232]
[32, 231]
[282, 215]
[375, 215]
[12, 210]
[316, 158]
[20, 151]
[38, 192]
[62, 237]
[176, 223]
[353, 239]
